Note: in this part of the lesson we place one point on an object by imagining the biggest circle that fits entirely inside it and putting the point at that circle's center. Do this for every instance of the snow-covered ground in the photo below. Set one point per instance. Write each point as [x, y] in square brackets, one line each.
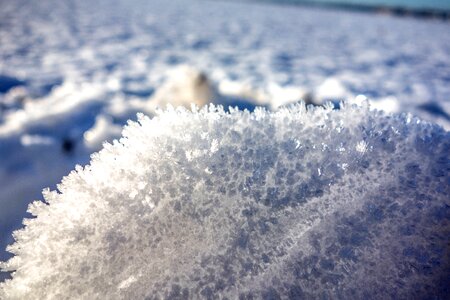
[294, 204]
[73, 72]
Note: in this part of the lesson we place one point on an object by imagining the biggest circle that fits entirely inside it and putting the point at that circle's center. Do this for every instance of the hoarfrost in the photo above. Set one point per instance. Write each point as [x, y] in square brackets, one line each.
[297, 203]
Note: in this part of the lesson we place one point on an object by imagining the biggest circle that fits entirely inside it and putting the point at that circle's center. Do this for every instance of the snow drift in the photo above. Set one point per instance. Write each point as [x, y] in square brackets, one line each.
[298, 203]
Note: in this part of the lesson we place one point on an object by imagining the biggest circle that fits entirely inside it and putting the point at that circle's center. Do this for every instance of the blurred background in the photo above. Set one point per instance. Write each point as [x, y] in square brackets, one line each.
[72, 72]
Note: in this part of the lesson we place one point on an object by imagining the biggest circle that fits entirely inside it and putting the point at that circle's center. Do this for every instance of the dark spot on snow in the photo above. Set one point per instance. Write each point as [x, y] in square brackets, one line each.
[174, 60]
[5, 275]
[435, 109]
[48, 86]
[283, 61]
[8, 82]
[201, 44]
[142, 93]
[228, 60]
[201, 79]
[109, 67]
[67, 146]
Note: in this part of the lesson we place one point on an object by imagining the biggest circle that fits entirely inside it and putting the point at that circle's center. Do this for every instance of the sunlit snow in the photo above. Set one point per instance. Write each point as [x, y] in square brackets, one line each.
[323, 203]
[72, 73]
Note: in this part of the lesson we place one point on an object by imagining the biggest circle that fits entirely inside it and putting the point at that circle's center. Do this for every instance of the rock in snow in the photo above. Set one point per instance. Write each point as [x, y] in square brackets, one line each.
[298, 203]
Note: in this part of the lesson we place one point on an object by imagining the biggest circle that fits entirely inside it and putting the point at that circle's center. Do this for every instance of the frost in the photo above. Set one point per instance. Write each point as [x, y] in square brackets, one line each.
[361, 147]
[214, 146]
[209, 204]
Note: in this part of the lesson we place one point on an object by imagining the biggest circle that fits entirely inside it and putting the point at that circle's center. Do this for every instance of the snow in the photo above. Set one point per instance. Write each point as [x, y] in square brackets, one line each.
[331, 89]
[73, 72]
[128, 49]
[297, 203]
[103, 130]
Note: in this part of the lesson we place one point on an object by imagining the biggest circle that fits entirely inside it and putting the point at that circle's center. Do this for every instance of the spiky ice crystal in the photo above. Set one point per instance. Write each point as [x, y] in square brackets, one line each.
[298, 203]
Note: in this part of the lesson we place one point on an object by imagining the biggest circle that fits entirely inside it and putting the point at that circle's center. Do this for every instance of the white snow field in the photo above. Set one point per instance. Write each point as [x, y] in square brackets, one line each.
[298, 204]
[73, 72]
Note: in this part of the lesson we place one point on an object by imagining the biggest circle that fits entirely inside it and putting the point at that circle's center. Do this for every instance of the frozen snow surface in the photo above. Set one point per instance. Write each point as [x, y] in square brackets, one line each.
[123, 49]
[73, 72]
[298, 204]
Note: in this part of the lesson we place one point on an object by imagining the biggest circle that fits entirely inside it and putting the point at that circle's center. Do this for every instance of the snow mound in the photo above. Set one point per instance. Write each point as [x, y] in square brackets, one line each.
[298, 203]
[184, 85]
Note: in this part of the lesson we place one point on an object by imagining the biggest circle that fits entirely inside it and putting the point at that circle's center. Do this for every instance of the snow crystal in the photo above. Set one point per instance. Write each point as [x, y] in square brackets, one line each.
[361, 147]
[297, 203]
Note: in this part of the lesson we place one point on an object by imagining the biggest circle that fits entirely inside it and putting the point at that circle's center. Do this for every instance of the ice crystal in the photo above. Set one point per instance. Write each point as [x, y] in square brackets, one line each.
[210, 204]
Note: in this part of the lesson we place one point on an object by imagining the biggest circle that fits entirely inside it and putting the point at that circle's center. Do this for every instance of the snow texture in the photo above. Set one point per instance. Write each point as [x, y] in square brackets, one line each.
[299, 203]
[73, 72]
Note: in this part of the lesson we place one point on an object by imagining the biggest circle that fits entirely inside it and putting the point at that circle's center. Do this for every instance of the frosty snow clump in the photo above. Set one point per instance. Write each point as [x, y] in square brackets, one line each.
[297, 203]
